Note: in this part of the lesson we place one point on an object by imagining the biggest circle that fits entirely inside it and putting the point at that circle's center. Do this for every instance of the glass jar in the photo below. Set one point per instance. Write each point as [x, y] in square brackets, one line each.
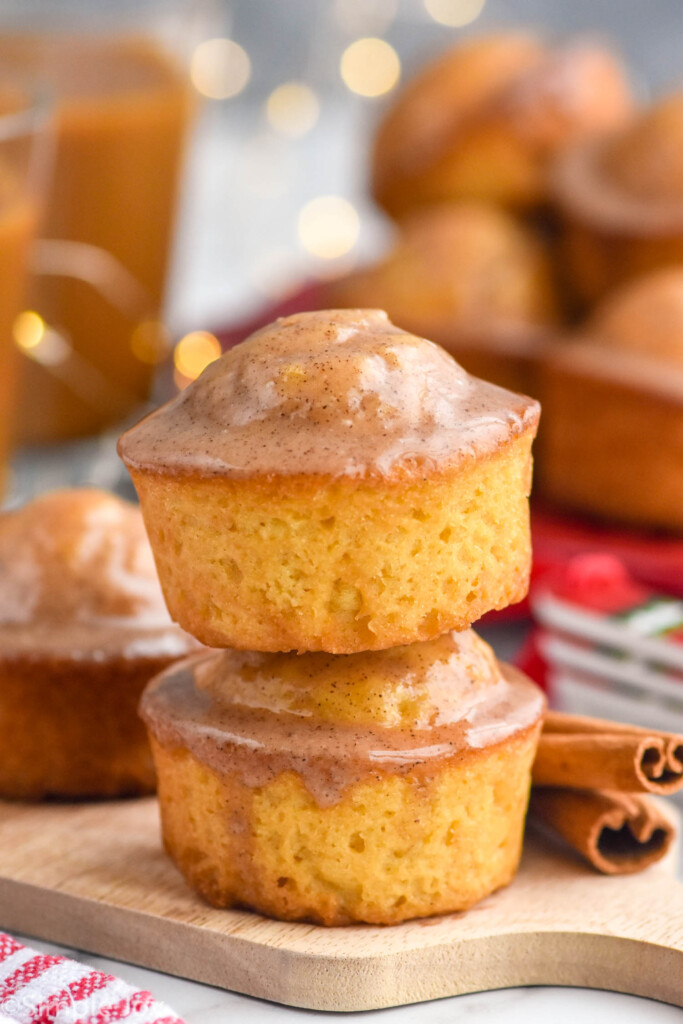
[123, 109]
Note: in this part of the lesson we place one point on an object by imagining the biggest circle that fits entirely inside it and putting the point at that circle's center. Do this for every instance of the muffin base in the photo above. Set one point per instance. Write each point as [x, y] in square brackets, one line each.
[597, 259]
[393, 848]
[343, 566]
[69, 729]
[612, 443]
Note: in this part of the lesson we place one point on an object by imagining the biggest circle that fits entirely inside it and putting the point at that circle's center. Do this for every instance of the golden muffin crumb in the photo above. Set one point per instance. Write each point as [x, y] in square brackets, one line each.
[388, 851]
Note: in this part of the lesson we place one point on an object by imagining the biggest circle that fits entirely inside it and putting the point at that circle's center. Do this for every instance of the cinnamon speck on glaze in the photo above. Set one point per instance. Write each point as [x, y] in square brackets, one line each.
[334, 720]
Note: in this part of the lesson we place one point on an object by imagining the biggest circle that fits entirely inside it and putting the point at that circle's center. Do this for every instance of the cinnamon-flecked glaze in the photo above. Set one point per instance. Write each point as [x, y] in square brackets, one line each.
[337, 720]
[77, 580]
[331, 393]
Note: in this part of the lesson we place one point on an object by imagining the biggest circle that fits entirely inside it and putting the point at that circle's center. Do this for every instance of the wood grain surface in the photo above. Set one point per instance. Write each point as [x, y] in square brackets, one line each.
[94, 876]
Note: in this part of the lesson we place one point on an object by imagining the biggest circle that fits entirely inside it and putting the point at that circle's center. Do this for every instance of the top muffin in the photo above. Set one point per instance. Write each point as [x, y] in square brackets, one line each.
[337, 484]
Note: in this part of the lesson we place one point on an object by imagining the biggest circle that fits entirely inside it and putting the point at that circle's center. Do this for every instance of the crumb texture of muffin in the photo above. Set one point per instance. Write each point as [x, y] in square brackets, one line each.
[337, 484]
[83, 628]
[486, 120]
[612, 443]
[620, 200]
[374, 787]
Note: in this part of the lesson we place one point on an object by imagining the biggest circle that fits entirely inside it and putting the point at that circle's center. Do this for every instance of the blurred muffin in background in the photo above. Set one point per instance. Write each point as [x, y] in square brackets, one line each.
[83, 628]
[612, 443]
[486, 119]
[645, 316]
[621, 201]
[471, 277]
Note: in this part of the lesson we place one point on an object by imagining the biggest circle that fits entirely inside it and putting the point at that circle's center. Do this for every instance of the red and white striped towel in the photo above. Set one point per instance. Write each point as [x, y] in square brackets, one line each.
[40, 988]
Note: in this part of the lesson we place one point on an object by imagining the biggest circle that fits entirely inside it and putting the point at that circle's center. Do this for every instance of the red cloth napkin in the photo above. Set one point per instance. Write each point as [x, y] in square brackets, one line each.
[653, 559]
[45, 988]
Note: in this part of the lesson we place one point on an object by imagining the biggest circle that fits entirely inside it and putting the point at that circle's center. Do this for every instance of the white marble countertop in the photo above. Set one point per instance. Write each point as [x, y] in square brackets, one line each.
[202, 1004]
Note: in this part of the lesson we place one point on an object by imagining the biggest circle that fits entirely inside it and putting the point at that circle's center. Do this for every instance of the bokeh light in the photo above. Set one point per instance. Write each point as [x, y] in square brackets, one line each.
[28, 330]
[292, 109]
[37, 340]
[194, 352]
[150, 342]
[370, 67]
[328, 227]
[220, 68]
[454, 12]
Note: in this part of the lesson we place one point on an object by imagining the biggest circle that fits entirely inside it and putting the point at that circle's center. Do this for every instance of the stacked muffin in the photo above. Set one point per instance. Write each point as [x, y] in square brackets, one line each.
[328, 503]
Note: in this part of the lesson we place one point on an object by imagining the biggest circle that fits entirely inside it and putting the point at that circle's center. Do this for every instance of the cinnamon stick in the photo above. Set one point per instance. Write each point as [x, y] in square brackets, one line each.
[618, 833]
[590, 753]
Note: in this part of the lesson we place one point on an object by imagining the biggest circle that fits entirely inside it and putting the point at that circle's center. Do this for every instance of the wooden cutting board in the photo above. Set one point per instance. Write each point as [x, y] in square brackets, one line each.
[93, 876]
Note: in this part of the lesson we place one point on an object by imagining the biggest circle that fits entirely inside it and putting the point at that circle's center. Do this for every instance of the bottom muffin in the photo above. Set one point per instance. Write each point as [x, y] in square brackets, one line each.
[371, 787]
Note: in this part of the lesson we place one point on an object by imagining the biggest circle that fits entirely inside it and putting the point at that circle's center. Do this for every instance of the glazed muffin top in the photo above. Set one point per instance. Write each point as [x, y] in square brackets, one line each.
[417, 686]
[333, 393]
[468, 264]
[644, 316]
[333, 718]
[77, 580]
[632, 178]
[646, 160]
[546, 97]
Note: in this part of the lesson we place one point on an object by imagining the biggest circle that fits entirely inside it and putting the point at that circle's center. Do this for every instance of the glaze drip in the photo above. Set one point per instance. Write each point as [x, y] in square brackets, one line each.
[407, 724]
